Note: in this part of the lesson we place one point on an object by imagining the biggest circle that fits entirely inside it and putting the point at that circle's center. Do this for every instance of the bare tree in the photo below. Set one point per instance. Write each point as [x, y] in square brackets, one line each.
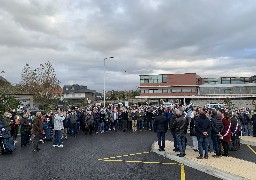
[42, 82]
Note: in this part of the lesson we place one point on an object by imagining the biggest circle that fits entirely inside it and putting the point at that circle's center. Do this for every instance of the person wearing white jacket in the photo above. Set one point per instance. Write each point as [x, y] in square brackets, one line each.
[58, 126]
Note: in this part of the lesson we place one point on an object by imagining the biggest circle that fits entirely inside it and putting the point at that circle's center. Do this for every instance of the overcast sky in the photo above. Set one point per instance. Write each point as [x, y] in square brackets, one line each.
[212, 38]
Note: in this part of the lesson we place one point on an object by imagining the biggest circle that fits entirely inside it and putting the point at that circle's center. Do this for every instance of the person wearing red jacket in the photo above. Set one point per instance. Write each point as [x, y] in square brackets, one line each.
[226, 133]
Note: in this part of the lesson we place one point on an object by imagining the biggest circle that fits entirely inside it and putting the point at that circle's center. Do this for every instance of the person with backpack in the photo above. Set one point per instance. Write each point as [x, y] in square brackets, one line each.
[216, 128]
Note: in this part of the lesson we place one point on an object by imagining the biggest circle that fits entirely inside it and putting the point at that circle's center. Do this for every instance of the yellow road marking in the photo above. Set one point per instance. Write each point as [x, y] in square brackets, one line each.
[251, 149]
[113, 160]
[100, 159]
[168, 163]
[132, 154]
[151, 162]
[182, 172]
[125, 155]
[145, 152]
[105, 158]
[112, 157]
[119, 156]
[133, 161]
[138, 153]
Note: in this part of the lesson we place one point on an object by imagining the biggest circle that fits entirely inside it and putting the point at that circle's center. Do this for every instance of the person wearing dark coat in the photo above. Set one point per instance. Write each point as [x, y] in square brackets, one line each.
[235, 126]
[180, 125]
[216, 128]
[161, 127]
[254, 123]
[37, 129]
[24, 130]
[203, 131]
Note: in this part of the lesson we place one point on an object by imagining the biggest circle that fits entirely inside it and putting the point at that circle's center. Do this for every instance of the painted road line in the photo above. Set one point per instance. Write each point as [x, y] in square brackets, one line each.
[133, 161]
[145, 152]
[126, 155]
[168, 163]
[132, 154]
[113, 160]
[251, 149]
[100, 159]
[138, 153]
[105, 158]
[151, 162]
[119, 156]
[112, 157]
[182, 172]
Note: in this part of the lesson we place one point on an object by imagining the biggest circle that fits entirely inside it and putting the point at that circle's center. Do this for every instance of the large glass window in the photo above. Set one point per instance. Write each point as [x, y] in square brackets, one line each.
[164, 78]
[176, 90]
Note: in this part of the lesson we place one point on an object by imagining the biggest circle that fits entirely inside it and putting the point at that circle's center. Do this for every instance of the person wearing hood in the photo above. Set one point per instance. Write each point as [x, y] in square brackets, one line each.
[203, 131]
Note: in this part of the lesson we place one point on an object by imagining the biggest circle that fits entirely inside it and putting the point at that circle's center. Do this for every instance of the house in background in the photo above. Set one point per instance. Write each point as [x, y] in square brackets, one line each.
[78, 93]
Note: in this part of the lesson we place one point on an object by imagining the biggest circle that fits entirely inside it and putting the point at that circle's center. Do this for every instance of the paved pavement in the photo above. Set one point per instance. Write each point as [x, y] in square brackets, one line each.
[240, 165]
[121, 155]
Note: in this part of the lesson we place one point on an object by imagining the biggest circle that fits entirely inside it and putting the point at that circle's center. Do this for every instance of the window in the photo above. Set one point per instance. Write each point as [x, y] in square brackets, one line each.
[186, 90]
[176, 90]
[164, 78]
[165, 90]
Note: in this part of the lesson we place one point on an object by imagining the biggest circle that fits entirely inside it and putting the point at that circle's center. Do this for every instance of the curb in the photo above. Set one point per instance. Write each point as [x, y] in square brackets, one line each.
[203, 168]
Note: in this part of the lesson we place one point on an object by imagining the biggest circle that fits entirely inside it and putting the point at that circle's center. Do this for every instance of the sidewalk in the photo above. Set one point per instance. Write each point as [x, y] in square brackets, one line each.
[249, 140]
[223, 167]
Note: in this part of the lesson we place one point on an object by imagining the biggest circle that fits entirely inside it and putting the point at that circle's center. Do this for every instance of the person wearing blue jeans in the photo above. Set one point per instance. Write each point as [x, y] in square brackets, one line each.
[181, 140]
[57, 138]
[203, 131]
[58, 126]
[203, 143]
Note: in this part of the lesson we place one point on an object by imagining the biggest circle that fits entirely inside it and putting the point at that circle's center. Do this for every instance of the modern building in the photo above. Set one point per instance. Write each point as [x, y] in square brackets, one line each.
[190, 86]
[77, 93]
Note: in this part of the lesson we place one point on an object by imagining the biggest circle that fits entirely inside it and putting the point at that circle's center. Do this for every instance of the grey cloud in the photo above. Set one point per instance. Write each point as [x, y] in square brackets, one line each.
[77, 35]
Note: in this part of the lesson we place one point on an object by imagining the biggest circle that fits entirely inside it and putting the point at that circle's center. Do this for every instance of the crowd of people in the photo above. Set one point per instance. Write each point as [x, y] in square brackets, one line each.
[214, 130]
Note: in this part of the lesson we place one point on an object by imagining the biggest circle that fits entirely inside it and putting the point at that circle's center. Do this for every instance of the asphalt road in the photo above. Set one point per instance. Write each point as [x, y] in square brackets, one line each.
[121, 155]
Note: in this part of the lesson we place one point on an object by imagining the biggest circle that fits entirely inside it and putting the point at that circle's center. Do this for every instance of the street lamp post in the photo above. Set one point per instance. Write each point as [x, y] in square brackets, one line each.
[104, 90]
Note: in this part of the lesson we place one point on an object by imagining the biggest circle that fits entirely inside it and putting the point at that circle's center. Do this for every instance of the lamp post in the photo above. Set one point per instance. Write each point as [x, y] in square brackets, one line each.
[104, 93]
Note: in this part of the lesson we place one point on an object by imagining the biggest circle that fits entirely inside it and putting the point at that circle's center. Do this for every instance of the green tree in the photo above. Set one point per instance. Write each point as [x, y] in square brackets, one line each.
[42, 82]
[8, 103]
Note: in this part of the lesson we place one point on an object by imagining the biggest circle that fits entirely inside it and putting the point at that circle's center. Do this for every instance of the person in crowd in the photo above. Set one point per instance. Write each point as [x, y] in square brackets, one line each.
[203, 131]
[47, 128]
[73, 123]
[58, 126]
[113, 120]
[7, 121]
[149, 117]
[89, 120]
[140, 119]
[96, 117]
[216, 129]
[24, 129]
[174, 132]
[180, 125]
[245, 121]
[254, 123]
[102, 120]
[37, 130]
[135, 116]
[226, 133]
[235, 132]
[192, 126]
[161, 127]
[125, 117]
